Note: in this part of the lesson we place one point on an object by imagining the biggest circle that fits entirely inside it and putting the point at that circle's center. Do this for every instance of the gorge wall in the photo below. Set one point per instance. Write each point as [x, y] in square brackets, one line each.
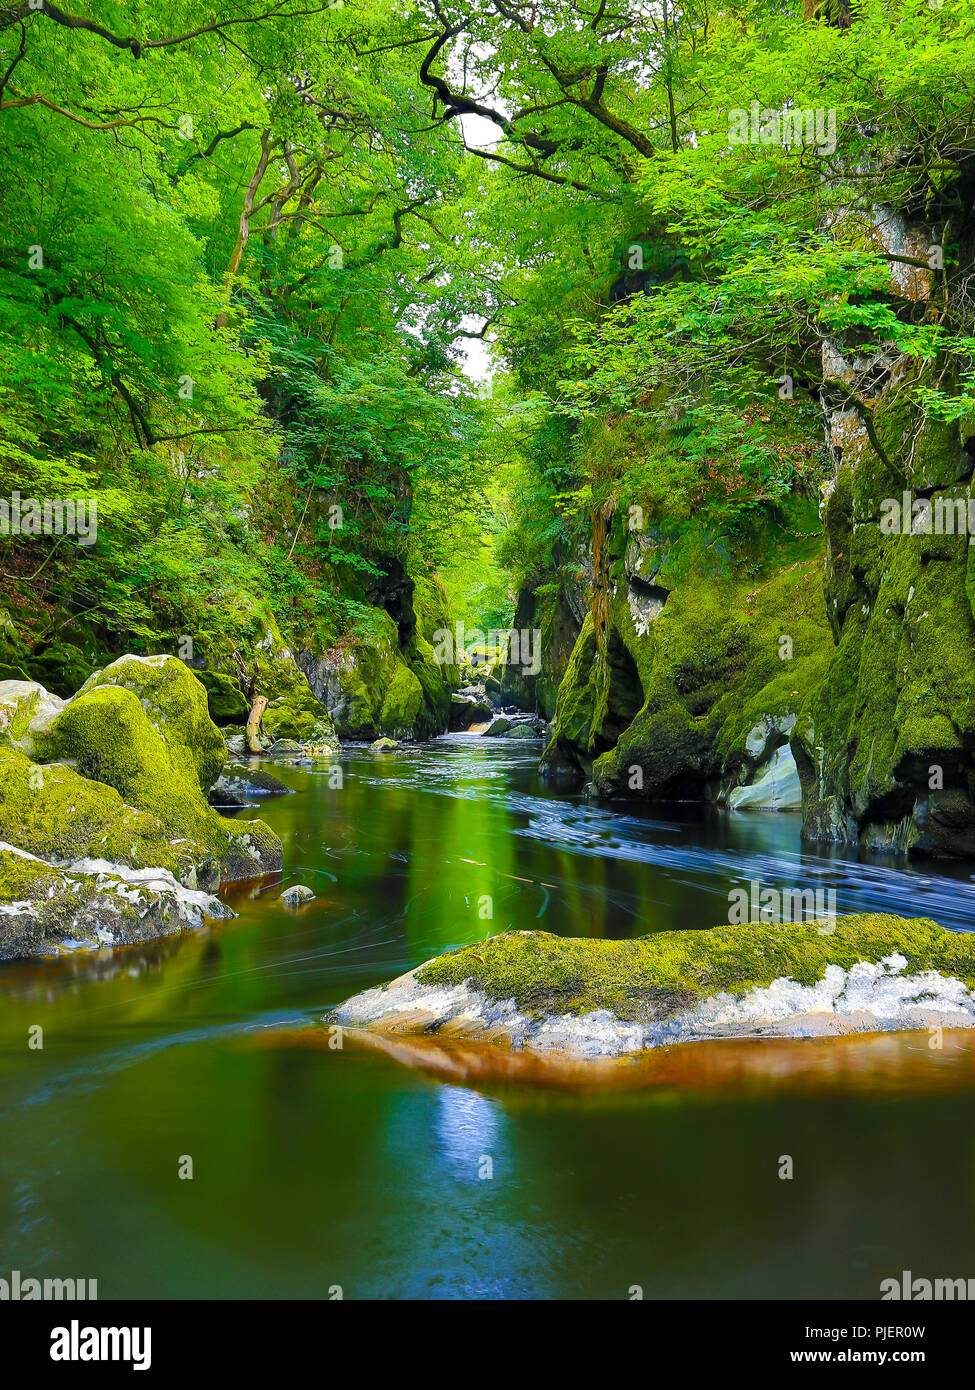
[818, 663]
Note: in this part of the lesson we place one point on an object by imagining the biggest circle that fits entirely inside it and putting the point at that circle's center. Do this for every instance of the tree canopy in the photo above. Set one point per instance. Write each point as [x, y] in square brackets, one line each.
[239, 255]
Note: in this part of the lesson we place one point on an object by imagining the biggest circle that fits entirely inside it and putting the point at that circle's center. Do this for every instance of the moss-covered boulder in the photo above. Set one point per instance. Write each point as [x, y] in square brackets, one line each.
[498, 727]
[469, 706]
[297, 715]
[175, 705]
[524, 732]
[240, 784]
[46, 909]
[603, 997]
[55, 813]
[26, 711]
[126, 764]
[107, 734]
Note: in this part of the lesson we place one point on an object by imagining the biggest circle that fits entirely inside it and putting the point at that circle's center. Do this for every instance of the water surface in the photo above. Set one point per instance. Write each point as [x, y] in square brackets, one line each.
[367, 1167]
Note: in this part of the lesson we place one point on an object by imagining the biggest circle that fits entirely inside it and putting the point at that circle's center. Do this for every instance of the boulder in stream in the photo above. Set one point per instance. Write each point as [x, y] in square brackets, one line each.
[497, 727]
[297, 894]
[114, 783]
[594, 998]
[91, 903]
[240, 784]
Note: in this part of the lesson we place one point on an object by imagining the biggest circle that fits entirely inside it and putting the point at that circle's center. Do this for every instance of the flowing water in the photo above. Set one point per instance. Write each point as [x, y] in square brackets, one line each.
[422, 1170]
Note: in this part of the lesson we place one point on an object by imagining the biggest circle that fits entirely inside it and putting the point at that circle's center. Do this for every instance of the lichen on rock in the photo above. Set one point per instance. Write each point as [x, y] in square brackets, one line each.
[91, 903]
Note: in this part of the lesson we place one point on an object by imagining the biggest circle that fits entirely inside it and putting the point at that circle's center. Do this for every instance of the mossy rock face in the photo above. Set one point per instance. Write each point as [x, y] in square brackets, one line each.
[56, 814]
[694, 644]
[174, 703]
[225, 701]
[603, 997]
[44, 908]
[429, 698]
[352, 682]
[437, 678]
[265, 660]
[372, 686]
[555, 609]
[885, 742]
[402, 707]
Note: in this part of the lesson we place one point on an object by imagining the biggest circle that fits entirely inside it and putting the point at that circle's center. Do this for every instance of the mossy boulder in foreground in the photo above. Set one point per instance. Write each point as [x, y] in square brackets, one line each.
[601, 998]
[56, 814]
[44, 909]
[107, 793]
[141, 727]
[175, 704]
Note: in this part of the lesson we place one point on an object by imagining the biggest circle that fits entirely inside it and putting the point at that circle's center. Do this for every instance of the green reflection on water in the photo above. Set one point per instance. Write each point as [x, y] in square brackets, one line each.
[315, 1168]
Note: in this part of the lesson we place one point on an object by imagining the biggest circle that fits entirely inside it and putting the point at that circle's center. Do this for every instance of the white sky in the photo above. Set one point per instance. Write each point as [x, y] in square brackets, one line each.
[479, 133]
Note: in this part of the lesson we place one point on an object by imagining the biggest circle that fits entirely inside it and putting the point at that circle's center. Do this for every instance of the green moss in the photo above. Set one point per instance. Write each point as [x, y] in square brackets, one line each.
[107, 735]
[644, 979]
[175, 704]
[14, 655]
[895, 709]
[55, 813]
[225, 702]
[22, 879]
[403, 705]
[676, 696]
[432, 611]
[298, 715]
[44, 906]
[17, 713]
[576, 701]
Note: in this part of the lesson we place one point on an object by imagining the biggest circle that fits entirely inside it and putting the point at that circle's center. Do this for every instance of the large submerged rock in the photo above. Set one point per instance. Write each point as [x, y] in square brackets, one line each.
[599, 998]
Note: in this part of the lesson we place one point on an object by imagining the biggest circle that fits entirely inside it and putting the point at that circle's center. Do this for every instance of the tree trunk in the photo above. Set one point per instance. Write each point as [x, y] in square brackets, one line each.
[245, 223]
[253, 733]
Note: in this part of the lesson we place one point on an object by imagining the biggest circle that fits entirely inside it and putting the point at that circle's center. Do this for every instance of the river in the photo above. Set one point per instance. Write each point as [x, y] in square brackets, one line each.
[441, 1172]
